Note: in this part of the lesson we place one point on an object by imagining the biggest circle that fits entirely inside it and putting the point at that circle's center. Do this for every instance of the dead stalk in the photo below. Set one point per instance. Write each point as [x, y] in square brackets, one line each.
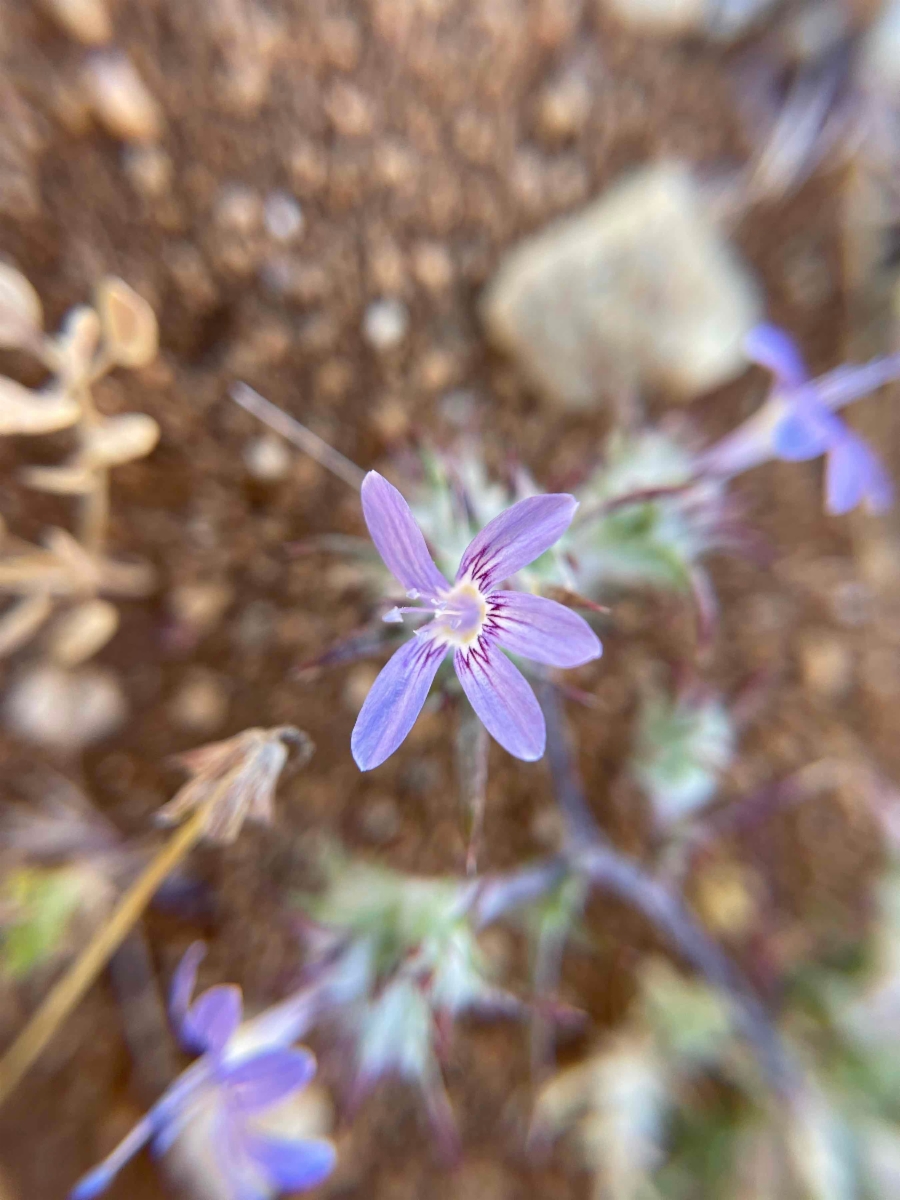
[72, 986]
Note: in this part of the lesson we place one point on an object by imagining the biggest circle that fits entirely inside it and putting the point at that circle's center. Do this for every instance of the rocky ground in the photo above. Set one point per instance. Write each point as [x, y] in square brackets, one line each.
[316, 198]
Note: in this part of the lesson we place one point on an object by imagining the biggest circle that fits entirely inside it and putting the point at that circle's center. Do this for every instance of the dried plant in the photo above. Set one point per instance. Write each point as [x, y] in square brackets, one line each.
[241, 775]
[234, 780]
[71, 580]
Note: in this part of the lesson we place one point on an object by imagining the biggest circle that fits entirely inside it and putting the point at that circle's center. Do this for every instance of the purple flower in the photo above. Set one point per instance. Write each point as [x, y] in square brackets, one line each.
[221, 1098]
[474, 619]
[853, 474]
[798, 422]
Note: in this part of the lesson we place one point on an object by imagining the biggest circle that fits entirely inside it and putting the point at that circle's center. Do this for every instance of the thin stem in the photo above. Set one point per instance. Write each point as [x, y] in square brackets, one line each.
[578, 821]
[592, 855]
[69, 990]
[472, 769]
[94, 514]
[307, 441]
[615, 872]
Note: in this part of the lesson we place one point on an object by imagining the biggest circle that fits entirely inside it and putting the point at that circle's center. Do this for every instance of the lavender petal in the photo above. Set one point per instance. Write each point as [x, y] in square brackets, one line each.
[516, 538]
[290, 1165]
[847, 383]
[183, 983]
[212, 1019]
[854, 474]
[398, 538]
[236, 1173]
[259, 1082]
[775, 350]
[502, 699]
[542, 630]
[395, 700]
[806, 432]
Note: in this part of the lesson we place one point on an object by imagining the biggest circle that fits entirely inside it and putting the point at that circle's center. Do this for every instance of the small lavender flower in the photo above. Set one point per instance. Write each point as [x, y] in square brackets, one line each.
[798, 423]
[474, 619]
[222, 1097]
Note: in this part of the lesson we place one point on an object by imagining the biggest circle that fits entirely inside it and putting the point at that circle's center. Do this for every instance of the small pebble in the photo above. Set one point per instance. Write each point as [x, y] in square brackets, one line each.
[283, 216]
[254, 629]
[87, 21]
[851, 603]
[379, 819]
[358, 685]
[390, 420]
[432, 266]
[120, 99]
[351, 112]
[201, 703]
[728, 897]
[563, 108]
[436, 369]
[826, 664]
[268, 458]
[149, 170]
[237, 209]
[385, 323]
[341, 41]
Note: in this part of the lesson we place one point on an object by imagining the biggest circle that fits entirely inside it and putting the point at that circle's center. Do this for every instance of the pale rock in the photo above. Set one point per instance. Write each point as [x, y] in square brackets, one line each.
[638, 290]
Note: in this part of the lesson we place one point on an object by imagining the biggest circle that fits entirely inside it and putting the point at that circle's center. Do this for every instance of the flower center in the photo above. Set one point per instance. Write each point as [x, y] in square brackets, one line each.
[461, 615]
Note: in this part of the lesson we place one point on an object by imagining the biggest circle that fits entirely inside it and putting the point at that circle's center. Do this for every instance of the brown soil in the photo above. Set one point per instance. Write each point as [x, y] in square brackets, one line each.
[411, 133]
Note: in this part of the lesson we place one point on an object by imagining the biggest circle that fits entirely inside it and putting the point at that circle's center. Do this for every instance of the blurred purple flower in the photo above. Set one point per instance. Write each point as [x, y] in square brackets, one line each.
[853, 474]
[223, 1094]
[798, 423]
[474, 619]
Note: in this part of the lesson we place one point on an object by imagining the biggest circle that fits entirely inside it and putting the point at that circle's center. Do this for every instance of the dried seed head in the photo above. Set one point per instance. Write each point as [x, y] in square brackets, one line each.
[120, 440]
[121, 99]
[129, 323]
[21, 316]
[25, 411]
[87, 21]
[64, 710]
[80, 633]
[235, 780]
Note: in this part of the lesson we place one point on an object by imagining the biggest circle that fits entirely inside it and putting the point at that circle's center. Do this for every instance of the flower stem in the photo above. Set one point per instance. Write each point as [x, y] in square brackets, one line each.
[291, 429]
[72, 986]
[94, 516]
[595, 858]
